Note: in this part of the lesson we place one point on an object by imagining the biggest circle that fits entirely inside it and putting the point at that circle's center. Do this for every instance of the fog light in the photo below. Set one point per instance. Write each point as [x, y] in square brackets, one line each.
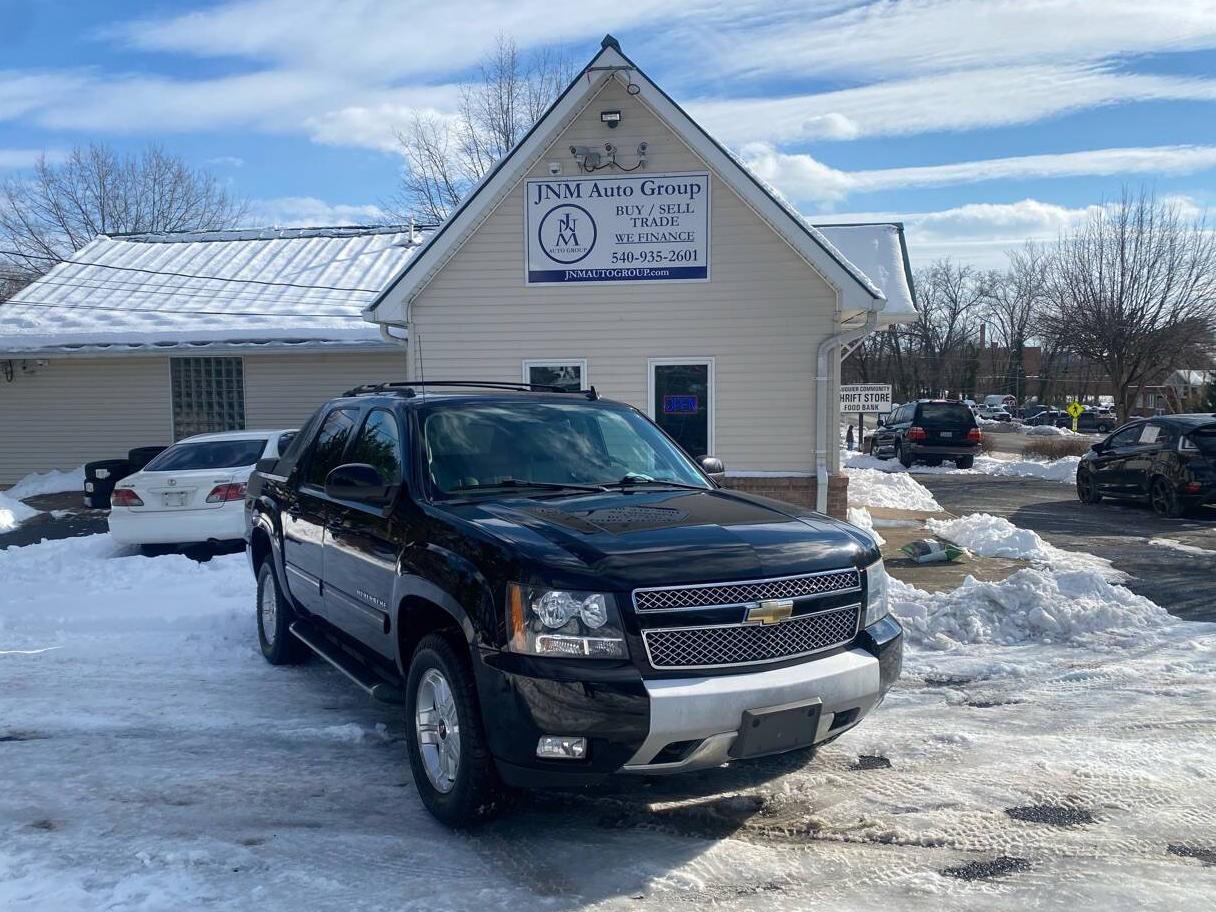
[561, 747]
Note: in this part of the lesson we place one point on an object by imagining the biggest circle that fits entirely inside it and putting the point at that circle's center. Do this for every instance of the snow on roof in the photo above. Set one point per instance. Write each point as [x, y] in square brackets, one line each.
[254, 287]
[879, 251]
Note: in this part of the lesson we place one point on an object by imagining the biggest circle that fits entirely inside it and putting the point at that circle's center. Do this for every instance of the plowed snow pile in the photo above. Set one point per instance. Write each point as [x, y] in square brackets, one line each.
[994, 536]
[874, 488]
[151, 760]
[13, 512]
[1063, 469]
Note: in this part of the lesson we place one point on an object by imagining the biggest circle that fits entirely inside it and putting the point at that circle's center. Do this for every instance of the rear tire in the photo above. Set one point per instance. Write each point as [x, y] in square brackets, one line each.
[1087, 488]
[279, 645]
[905, 458]
[459, 787]
[1164, 498]
[964, 462]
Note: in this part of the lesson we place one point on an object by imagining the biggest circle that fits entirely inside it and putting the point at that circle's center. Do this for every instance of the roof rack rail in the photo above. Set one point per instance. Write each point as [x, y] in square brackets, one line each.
[406, 388]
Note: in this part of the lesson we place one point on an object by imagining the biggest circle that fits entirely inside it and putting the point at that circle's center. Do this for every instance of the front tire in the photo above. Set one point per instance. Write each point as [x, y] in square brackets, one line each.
[279, 645]
[1087, 488]
[451, 763]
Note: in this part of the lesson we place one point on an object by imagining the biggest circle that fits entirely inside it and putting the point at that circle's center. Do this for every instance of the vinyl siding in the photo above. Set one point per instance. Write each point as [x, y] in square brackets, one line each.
[283, 390]
[75, 410]
[761, 316]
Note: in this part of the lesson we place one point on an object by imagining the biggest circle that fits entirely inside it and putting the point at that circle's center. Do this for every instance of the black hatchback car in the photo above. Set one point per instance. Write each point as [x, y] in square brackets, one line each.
[1170, 461]
[557, 593]
[929, 431]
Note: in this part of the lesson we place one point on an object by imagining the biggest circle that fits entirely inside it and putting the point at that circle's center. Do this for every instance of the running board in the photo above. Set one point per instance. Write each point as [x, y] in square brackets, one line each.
[360, 675]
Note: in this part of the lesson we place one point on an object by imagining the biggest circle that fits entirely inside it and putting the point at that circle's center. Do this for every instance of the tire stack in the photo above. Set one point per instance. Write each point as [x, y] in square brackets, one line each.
[100, 478]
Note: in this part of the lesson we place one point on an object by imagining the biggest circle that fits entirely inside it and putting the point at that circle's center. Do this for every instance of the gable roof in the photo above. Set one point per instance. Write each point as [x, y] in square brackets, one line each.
[264, 287]
[880, 250]
[858, 292]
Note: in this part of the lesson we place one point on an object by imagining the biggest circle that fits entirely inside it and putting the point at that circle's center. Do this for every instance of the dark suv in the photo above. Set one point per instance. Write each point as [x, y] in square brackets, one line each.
[1169, 461]
[929, 431]
[1090, 422]
[557, 593]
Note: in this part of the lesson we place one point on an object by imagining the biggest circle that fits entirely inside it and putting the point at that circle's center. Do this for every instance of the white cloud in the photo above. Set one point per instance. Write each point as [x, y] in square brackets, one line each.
[932, 36]
[226, 161]
[308, 211]
[25, 158]
[992, 97]
[980, 234]
[807, 180]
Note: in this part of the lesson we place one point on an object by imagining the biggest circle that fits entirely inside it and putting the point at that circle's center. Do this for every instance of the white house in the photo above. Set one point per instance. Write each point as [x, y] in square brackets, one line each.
[140, 340]
[618, 245]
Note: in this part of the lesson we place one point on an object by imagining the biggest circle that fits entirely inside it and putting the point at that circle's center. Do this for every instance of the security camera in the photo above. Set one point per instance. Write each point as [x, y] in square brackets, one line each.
[642, 147]
[574, 151]
[609, 148]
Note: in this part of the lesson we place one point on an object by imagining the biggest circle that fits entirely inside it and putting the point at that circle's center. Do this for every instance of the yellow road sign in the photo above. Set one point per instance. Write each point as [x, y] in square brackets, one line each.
[1074, 410]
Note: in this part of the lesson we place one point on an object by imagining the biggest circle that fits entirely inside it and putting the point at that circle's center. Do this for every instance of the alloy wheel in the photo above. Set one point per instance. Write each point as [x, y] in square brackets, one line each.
[1162, 498]
[437, 725]
[268, 609]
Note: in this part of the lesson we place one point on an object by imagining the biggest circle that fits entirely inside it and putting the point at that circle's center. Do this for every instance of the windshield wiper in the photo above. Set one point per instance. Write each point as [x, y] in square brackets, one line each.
[631, 480]
[521, 483]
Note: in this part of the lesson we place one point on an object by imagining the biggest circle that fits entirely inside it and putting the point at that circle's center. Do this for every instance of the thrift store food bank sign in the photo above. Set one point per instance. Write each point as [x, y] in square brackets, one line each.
[643, 228]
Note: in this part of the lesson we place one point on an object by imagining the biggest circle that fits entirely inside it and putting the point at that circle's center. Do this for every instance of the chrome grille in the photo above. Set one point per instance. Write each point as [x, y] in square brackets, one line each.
[680, 597]
[748, 644]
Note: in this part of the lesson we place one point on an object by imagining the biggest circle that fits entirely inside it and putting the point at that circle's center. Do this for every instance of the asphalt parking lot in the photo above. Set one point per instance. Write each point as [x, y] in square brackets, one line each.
[1181, 581]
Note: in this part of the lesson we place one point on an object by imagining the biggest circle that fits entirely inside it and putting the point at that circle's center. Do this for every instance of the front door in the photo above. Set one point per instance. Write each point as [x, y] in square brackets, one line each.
[681, 402]
[360, 553]
[1110, 463]
[305, 515]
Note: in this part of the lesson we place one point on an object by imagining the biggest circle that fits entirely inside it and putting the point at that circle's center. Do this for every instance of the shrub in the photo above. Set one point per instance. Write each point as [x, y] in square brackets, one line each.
[1055, 447]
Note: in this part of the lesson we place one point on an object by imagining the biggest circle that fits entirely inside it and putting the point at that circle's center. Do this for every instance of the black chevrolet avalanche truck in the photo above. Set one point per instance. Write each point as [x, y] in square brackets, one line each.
[557, 593]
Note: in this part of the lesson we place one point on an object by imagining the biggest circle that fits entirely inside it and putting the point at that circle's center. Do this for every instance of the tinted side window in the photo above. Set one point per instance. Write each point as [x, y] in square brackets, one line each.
[379, 445]
[1126, 437]
[330, 444]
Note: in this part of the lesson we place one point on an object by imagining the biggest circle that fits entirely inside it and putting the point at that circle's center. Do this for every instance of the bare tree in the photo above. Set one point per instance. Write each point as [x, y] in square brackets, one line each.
[1134, 291]
[1011, 299]
[446, 155]
[949, 298]
[47, 215]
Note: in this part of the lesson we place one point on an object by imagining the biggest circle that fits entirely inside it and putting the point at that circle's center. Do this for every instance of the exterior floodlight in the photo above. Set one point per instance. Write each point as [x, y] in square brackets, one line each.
[612, 118]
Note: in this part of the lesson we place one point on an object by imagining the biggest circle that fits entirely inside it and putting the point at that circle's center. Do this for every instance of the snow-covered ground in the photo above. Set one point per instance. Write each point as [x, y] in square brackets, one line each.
[994, 536]
[53, 481]
[1063, 469]
[1052, 727]
[13, 512]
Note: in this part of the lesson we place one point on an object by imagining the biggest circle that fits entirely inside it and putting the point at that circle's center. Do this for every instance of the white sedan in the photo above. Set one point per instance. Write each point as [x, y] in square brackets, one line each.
[192, 492]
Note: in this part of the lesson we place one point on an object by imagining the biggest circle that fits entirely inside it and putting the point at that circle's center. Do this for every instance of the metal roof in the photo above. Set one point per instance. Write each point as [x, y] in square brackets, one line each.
[265, 286]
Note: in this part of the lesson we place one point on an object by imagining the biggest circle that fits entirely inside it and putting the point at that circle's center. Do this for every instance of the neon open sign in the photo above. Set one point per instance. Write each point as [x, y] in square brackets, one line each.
[681, 405]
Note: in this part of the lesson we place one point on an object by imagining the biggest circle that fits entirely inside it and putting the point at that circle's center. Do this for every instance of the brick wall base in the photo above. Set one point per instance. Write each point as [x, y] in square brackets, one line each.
[796, 489]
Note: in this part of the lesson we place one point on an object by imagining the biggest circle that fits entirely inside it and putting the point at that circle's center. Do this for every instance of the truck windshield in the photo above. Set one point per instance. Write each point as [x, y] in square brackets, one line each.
[514, 444]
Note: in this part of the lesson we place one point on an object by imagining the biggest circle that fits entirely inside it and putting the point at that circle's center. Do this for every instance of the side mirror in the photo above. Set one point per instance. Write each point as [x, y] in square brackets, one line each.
[359, 482]
[267, 466]
[881, 423]
[712, 466]
[1098, 447]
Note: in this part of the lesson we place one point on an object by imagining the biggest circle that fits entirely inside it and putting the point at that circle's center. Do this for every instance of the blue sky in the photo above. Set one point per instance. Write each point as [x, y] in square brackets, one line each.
[981, 123]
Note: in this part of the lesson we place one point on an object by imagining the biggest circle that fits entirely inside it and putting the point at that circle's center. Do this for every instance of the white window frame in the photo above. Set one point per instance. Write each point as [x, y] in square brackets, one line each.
[708, 360]
[580, 363]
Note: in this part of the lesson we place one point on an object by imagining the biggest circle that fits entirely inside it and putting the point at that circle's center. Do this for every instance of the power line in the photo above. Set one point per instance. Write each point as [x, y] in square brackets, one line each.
[165, 288]
[215, 313]
[186, 275]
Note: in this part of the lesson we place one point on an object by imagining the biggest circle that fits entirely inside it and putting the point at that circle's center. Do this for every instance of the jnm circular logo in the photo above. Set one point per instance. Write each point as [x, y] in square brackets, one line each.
[567, 233]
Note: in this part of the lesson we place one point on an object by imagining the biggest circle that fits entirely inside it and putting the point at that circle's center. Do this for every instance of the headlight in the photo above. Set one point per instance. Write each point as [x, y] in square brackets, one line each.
[559, 622]
[877, 593]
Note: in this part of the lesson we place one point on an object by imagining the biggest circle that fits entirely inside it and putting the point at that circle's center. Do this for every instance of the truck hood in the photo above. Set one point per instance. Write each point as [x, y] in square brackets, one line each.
[621, 540]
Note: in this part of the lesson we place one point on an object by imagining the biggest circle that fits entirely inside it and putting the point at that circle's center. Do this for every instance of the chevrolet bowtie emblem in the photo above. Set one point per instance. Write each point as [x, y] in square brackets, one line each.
[772, 612]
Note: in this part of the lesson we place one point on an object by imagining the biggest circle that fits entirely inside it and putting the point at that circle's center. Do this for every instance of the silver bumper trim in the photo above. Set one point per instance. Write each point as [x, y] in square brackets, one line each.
[711, 708]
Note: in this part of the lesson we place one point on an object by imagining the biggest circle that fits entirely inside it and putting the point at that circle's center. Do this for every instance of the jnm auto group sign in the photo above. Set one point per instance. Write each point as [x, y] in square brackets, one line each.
[619, 228]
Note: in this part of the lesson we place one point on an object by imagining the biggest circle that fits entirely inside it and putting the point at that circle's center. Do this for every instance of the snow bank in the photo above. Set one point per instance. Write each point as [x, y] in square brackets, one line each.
[52, 482]
[1036, 605]
[1047, 430]
[1172, 544]
[1063, 469]
[878, 488]
[994, 536]
[860, 517]
[13, 512]
[43, 585]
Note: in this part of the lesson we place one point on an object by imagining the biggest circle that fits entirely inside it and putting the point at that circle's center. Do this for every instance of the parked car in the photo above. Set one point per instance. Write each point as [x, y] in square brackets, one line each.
[994, 413]
[192, 492]
[1169, 461]
[929, 431]
[1090, 422]
[1049, 416]
[557, 593]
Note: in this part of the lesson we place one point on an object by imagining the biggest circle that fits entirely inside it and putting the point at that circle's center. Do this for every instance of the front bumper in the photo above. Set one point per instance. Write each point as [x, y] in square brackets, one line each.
[664, 725]
[177, 527]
